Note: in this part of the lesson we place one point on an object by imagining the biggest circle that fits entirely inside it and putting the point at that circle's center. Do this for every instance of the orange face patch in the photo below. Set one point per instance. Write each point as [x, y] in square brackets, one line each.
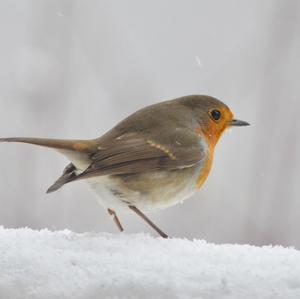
[213, 129]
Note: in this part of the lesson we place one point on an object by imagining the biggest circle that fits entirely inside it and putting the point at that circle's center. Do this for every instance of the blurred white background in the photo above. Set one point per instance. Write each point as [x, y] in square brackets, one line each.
[73, 69]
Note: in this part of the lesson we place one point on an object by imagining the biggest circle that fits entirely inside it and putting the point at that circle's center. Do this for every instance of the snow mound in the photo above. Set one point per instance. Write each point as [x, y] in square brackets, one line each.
[44, 264]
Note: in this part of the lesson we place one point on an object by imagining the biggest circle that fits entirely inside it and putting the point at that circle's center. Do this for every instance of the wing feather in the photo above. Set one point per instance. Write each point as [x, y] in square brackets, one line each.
[132, 153]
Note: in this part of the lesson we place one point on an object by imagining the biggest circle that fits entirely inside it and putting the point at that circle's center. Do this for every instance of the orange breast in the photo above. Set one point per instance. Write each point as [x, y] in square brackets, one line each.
[204, 171]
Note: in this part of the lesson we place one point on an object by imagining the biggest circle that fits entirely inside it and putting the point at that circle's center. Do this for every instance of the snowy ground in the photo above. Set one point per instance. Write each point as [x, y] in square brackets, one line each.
[44, 264]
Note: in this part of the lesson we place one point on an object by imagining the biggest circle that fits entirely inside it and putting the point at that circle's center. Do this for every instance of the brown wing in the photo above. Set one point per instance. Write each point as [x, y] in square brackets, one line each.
[132, 153]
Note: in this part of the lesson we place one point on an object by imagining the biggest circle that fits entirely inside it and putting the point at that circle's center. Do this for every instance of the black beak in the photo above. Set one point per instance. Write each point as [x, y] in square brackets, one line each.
[238, 123]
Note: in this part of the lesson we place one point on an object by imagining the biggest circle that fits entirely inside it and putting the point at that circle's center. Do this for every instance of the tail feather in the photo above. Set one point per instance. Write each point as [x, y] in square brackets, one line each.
[84, 146]
[68, 174]
[77, 151]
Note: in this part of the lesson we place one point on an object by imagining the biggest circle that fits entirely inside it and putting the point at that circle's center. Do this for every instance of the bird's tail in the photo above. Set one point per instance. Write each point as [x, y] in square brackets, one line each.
[77, 151]
[82, 146]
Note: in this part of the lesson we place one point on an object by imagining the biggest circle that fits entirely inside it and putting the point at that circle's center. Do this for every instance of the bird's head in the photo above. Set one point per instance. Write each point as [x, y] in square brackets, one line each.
[212, 115]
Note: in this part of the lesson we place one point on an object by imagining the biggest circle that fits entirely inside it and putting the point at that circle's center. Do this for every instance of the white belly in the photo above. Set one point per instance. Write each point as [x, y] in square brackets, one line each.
[105, 197]
[163, 190]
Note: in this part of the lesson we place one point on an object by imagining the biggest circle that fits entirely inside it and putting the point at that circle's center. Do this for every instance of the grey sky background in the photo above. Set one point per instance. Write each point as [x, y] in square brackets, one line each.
[73, 69]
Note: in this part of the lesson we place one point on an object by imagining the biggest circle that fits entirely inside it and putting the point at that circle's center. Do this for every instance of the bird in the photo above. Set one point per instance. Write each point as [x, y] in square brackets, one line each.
[153, 159]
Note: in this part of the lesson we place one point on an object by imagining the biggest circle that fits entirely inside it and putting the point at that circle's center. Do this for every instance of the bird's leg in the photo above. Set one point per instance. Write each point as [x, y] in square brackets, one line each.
[116, 219]
[145, 218]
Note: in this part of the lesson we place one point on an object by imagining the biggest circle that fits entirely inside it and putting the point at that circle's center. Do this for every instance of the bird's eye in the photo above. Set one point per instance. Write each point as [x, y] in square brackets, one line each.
[215, 114]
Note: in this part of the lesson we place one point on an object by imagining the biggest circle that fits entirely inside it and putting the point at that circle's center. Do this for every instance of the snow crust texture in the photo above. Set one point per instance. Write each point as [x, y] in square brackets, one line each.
[62, 264]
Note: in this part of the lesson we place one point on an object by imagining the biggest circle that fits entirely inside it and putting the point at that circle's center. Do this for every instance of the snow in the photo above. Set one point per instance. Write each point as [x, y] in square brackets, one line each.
[199, 62]
[62, 264]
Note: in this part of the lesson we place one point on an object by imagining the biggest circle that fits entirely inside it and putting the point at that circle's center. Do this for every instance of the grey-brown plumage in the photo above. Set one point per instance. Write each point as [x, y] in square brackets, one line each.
[139, 143]
[163, 149]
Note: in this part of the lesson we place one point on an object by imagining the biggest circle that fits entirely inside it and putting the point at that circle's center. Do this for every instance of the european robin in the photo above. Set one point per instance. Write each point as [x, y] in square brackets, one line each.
[153, 159]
